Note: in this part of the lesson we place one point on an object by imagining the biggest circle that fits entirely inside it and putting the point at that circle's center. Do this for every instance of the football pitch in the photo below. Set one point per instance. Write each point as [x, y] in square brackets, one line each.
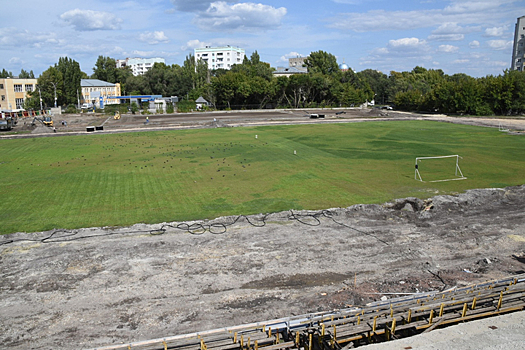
[162, 176]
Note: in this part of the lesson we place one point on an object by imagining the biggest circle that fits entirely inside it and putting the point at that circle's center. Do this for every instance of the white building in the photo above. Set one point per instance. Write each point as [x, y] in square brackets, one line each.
[139, 66]
[518, 50]
[220, 57]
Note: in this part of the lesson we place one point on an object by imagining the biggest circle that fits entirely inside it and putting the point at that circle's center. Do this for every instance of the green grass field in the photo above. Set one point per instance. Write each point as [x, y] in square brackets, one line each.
[151, 177]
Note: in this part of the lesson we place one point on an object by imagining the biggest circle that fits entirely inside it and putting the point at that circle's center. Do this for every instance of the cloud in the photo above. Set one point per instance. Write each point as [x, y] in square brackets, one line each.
[495, 31]
[448, 48]
[348, 2]
[450, 31]
[446, 37]
[223, 16]
[13, 37]
[474, 44]
[194, 44]
[293, 54]
[15, 60]
[140, 53]
[153, 38]
[500, 44]
[192, 5]
[459, 11]
[88, 20]
[411, 44]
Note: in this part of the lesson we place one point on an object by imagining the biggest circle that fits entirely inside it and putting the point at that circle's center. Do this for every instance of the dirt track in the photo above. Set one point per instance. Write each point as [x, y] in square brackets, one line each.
[78, 123]
[99, 286]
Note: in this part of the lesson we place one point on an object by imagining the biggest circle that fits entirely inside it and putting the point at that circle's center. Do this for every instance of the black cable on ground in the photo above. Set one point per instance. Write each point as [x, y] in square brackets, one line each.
[309, 219]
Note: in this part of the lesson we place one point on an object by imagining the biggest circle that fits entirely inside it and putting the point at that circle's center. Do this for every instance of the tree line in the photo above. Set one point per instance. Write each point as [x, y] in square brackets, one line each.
[252, 84]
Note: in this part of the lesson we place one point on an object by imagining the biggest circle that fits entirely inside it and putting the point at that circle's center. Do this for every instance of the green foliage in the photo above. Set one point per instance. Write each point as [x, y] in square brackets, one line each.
[71, 109]
[105, 69]
[186, 106]
[151, 177]
[26, 75]
[322, 62]
[170, 108]
[134, 107]
[71, 75]
[5, 74]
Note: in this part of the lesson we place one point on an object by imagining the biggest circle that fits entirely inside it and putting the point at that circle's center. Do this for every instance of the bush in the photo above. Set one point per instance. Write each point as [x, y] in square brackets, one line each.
[186, 106]
[71, 109]
[134, 107]
[484, 110]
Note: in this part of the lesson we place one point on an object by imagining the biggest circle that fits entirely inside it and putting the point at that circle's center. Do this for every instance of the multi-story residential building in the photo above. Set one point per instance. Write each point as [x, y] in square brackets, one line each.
[13, 92]
[139, 66]
[518, 50]
[220, 57]
[97, 92]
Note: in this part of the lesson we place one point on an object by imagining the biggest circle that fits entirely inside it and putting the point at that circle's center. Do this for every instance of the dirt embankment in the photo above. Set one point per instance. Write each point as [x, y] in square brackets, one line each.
[98, 286]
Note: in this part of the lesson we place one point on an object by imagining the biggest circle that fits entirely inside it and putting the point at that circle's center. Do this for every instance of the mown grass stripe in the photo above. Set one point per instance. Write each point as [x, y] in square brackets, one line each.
[101, 180]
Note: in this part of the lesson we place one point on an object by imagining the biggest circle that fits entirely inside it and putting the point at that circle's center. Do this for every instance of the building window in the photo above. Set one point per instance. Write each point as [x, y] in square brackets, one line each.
[3, 97]
[19, 103]
[1, 86]
[18, 87]
[29, 87]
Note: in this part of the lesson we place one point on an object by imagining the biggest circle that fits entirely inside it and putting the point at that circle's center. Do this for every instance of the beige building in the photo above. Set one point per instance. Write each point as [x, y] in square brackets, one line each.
[13, 92]
[97, 92]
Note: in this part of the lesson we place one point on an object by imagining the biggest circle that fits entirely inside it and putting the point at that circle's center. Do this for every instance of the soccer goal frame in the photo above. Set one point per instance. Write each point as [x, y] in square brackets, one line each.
[457, 173]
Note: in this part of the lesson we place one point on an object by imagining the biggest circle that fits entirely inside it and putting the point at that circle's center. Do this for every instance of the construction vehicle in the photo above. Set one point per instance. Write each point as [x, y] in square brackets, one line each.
[47, 121]
[117, 115]
[7, 120]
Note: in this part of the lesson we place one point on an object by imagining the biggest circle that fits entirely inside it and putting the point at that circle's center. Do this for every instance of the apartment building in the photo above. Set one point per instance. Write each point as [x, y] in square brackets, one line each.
[518, 49]
[97, 92]
[220, 57]
[13, 92]
[139, 66]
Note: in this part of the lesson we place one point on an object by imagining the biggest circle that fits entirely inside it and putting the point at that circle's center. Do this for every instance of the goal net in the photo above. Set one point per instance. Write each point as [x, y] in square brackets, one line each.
[437, 169]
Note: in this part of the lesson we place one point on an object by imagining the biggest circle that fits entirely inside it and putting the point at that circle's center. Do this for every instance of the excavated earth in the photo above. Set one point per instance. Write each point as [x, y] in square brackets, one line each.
[93, 287]
[100, 286]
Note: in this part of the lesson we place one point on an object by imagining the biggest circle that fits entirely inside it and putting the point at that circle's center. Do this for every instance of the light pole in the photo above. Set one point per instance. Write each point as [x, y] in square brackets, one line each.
[40, 94]
[55, 86]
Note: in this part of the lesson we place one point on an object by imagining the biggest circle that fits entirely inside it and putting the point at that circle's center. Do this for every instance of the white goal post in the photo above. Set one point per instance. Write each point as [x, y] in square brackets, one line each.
[458, 174]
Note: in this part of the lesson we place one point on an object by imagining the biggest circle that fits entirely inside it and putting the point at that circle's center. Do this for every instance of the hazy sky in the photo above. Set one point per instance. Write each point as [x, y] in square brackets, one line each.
[472, 37]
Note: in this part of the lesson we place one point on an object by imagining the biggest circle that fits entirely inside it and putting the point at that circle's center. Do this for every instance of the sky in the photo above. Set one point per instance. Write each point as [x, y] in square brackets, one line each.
[457, 36]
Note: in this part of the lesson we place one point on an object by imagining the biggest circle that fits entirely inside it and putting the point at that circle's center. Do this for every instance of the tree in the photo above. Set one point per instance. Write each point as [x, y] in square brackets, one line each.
[26, 75]
[105, 69]
[71, 77]
[5, 74]
[378, 82]
[322, 62]
[48, 80]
